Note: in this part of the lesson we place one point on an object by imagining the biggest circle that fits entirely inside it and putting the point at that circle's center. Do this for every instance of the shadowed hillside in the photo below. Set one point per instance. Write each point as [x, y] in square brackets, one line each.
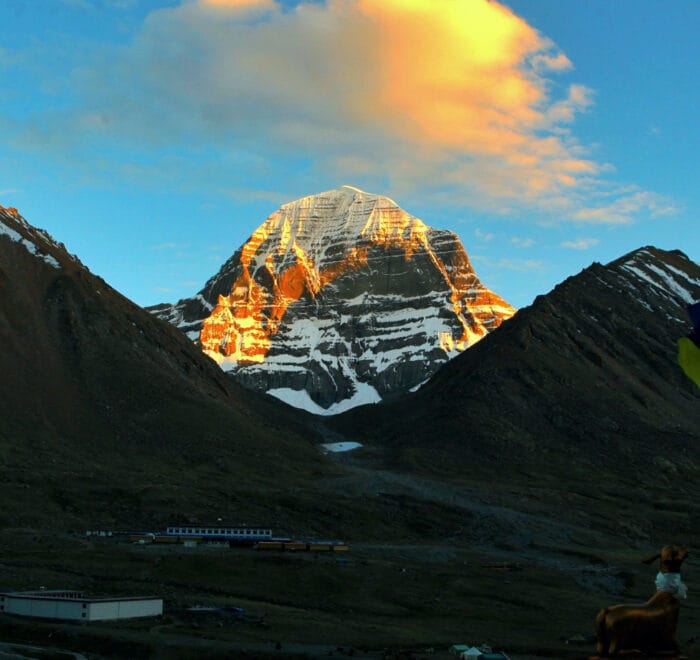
[108, 413]
[575, 401]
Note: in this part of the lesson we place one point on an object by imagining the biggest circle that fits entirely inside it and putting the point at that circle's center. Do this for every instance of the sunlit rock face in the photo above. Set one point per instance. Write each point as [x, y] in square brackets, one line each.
[339, 299]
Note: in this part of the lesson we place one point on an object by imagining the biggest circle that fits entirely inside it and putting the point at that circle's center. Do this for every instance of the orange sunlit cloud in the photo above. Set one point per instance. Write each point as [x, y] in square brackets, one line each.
[461, 98]
[457, 78]
[454, 73]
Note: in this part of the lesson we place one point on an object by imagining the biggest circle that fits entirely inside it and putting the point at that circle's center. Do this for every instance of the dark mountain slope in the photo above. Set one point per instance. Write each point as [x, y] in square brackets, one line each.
[590, 366]
[93, 387]
[578, 393]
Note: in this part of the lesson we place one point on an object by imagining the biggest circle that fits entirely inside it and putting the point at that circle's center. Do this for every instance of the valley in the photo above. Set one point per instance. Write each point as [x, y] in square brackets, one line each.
[504, 502]
[345, 329]
[432, 562]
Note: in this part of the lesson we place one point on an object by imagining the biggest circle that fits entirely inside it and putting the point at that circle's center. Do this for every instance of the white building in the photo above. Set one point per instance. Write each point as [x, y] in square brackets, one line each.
[74, 605]
[220, 531]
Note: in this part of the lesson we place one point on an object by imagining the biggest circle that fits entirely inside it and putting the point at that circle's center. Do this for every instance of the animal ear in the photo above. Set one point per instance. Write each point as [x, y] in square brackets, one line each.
[648, 560]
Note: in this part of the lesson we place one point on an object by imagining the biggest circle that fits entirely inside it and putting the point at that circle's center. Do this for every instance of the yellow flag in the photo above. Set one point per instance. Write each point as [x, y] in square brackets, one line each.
[689, 359]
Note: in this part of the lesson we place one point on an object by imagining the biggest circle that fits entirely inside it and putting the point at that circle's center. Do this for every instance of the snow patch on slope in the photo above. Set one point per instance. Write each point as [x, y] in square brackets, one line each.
[364, 394]
[205, 303]
[32, 248]
[672, 283]
[668, 284]
[340, 447]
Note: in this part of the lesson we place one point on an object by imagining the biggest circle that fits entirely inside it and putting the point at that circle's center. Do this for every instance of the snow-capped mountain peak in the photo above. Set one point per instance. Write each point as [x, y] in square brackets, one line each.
[340, 298]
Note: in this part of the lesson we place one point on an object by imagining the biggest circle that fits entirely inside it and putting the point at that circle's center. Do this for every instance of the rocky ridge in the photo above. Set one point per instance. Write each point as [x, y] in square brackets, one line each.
[585, 376]
[339, 299]
[34, 240]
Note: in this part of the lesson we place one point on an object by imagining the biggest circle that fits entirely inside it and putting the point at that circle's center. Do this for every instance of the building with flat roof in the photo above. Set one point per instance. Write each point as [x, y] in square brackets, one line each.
[75, 605]
[221, 531]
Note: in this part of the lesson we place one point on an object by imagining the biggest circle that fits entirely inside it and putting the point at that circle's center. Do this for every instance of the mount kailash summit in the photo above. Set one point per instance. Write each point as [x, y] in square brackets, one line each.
[340, 299]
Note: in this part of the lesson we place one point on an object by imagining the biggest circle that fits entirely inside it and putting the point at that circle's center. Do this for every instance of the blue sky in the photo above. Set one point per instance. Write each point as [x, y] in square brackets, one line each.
[152, 137]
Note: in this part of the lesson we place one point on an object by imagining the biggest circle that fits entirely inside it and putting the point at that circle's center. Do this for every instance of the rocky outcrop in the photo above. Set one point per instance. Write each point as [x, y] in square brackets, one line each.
[339, 299]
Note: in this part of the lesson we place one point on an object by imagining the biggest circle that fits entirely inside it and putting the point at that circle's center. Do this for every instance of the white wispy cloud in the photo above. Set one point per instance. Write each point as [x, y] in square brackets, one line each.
[580, 243]
[519, 265]
[166, 246]
[484, 236]
[522, 242]
[623, 207]
[91, 5]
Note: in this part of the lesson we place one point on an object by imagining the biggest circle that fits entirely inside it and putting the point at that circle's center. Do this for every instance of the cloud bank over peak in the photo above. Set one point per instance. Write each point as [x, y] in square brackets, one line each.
[461, 102]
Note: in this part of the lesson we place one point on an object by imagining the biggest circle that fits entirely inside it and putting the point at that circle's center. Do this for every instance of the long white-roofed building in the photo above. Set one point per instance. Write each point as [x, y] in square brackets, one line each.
[75, 605]
[220, 531]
